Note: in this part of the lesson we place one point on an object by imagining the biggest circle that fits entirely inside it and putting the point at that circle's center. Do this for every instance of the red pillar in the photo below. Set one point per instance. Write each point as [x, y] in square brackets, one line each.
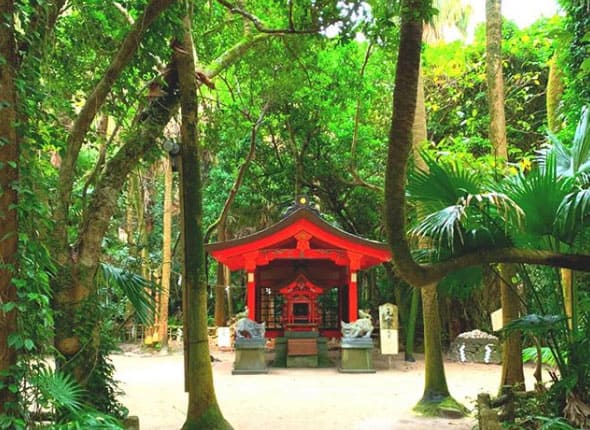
[352, 298]
[251, 297]
[353, 268]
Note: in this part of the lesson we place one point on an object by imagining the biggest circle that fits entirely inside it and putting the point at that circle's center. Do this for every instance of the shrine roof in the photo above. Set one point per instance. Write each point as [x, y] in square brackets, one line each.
[301, 221]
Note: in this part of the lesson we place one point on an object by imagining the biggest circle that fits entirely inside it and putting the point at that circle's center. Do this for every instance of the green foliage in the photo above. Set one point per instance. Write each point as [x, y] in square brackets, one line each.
[133, 287]
[455, 90]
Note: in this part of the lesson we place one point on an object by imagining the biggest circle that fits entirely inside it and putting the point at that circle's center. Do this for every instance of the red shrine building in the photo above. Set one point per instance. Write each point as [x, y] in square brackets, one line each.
[301, 272]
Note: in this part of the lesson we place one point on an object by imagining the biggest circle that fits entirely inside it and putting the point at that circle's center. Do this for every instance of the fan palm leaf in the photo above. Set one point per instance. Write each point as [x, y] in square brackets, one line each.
[442, 184]
[539, 194]
[133, 286]
[574, 160]
[572, 215]
[58, 390]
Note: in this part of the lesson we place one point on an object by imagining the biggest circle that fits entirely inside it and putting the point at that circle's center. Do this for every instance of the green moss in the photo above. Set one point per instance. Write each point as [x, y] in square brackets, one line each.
[211, 419]
[441, 407]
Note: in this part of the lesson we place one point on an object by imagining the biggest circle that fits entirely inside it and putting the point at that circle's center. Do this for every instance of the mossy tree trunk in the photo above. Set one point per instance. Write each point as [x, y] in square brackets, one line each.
[512, 373]
[203, 411]
[435, 381]
[8, 195]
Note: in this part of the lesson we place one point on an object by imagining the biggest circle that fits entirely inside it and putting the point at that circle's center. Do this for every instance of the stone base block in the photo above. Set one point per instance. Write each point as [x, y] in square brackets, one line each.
[249, 361]
[356, 357]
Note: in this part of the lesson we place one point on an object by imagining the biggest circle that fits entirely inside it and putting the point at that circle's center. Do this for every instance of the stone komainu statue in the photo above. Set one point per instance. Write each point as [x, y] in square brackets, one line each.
[363, 327]
[248, 329]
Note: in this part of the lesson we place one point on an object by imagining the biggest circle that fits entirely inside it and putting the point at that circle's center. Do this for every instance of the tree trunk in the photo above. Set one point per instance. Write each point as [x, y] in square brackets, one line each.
[495, 80]
[411, 325]
[166, 256]
[203, 411]
[435, 382]
[8, 195]
[554, 94]
[567, 287]
[512, 373]
[223, 280]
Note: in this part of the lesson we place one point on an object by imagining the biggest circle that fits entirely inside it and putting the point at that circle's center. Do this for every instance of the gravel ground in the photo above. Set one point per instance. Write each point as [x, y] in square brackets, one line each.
[300, 399]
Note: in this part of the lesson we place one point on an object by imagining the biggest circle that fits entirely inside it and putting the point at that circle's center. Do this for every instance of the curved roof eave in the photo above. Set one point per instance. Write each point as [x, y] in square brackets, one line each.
[301, 213]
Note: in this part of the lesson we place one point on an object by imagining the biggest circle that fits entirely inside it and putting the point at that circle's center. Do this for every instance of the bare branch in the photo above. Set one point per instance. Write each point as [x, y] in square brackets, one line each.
[125, 12]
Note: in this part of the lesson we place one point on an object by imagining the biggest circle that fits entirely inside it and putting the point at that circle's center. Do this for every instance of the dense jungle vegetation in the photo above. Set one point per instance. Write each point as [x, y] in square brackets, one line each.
[134, 132]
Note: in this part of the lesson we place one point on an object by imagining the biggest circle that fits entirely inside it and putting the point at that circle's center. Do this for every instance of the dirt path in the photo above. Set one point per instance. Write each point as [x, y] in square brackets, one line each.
[299, 399]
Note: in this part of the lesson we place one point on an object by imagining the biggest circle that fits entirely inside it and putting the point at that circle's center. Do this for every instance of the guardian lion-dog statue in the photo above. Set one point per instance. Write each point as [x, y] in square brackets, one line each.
[363, 327]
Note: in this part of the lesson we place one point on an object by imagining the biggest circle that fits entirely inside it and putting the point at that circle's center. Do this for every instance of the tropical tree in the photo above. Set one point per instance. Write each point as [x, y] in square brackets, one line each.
[512, 373]
[203, 411]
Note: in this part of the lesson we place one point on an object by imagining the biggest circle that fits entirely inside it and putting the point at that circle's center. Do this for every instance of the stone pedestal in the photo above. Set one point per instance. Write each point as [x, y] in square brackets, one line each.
[250, 358]
[356, 355]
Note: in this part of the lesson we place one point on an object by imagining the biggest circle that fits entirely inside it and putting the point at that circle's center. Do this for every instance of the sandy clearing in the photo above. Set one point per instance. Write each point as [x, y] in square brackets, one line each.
[300, 399]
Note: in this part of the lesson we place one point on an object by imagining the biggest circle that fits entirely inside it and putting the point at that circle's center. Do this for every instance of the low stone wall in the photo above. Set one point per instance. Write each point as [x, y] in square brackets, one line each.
[476, 347]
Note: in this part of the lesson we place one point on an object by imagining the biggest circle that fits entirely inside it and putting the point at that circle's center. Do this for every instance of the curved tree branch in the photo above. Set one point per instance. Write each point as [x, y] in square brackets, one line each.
[151, 122]
[400, 145]
[94, 102]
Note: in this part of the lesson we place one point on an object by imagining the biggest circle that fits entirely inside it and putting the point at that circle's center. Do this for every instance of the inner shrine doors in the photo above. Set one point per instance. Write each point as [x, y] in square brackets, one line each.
[300, 309]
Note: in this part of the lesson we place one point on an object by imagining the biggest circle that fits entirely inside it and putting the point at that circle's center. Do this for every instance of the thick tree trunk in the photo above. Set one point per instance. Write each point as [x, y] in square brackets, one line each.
[8, 195]
[77, 332]
[74, 281]
[495, 79]
[512, 373]
[435, 382]
[166, 256]
[203, 411]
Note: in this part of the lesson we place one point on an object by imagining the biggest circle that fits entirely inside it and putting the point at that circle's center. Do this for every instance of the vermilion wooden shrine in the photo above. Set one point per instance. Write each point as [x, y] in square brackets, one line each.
[301, 272]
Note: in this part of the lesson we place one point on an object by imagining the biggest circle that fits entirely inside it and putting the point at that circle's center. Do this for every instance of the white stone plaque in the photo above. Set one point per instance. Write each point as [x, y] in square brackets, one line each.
[497, 322]
[388, 323]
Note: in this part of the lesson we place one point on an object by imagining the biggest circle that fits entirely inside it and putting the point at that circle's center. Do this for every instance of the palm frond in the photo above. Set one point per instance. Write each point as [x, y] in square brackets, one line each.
[539, 194]
[59, 390]
[572, 214]
[498, 205]
[561, 153]
[442, 184]
[443, 226]
[133, 286]
[537, 325]
[581, 143]
[570, 162]
[547, 357]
